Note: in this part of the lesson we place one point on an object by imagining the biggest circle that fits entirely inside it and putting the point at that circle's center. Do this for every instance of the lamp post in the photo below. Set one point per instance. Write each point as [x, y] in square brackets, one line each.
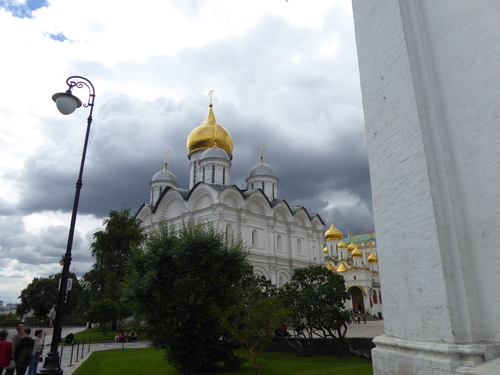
[67, 103]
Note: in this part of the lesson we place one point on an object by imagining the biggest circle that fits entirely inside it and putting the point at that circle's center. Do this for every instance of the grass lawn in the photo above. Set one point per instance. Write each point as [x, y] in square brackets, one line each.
[151, 362]
[96, 334]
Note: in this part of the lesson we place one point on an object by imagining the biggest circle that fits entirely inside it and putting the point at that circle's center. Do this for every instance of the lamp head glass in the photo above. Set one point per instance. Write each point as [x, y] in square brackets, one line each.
[66, 102]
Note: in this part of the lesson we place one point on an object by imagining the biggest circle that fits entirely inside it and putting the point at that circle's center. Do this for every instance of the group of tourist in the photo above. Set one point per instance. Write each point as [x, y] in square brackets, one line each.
[23, 353]
[123, 337]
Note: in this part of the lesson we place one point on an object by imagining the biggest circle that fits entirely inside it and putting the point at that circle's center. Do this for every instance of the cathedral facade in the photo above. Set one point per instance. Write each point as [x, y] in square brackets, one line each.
[280, 237]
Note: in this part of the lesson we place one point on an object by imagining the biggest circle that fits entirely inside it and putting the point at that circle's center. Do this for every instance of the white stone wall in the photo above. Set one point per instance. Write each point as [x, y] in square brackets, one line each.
[430, 82]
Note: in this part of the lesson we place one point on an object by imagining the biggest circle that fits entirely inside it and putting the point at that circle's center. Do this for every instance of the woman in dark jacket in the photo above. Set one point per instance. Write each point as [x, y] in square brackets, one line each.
[25, 342]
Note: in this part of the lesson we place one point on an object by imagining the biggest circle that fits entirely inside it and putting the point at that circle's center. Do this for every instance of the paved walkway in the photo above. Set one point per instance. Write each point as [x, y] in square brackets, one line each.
[71, 360]
[69, 364]
[371, 329]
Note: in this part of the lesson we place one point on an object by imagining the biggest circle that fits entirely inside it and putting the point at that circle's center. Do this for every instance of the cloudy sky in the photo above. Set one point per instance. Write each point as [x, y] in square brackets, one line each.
[284, 73]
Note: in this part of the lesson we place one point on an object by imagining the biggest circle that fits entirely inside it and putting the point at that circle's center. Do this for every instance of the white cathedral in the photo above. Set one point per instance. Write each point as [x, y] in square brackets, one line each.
[355, 259]
[280, 237]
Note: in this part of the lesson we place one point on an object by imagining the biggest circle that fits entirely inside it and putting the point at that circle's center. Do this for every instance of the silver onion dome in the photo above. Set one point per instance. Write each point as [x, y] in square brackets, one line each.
[215, 153]
[262, 170]
[164, 176]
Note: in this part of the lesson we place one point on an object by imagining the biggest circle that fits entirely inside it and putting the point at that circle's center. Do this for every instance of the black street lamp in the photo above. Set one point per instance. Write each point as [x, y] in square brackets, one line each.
[67, 103]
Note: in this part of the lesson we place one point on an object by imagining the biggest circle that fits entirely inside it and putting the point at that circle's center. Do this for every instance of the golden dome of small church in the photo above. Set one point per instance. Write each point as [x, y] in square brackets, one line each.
[355, 259]
[280, 237]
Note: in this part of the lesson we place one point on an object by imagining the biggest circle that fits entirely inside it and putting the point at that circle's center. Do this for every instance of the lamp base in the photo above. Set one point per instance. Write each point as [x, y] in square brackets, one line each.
[51, 365]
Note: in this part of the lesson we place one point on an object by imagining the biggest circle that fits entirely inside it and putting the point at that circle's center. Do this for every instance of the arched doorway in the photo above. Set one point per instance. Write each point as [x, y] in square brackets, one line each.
[357, 299]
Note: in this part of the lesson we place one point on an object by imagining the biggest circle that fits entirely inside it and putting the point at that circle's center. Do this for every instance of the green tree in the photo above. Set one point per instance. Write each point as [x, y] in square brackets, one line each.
[103, 312]
[112, 248]
[316, 297]
[254, 320]
[40, 296]
[182, 283]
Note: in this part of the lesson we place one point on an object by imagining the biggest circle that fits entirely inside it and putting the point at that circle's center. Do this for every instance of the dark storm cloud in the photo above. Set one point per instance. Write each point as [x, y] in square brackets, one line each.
[268, 89]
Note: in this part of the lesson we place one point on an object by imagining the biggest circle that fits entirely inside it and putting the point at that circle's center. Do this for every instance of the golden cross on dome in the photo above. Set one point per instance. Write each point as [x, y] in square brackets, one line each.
[331, 218]
[261, 153]
[166, 161]
[210, 93]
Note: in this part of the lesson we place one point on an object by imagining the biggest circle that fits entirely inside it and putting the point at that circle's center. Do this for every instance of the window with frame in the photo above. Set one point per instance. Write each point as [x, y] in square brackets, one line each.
[255, 239]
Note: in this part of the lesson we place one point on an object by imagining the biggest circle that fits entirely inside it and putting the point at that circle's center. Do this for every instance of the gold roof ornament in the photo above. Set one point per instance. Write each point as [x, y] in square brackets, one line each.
[210, 134]
[342, 268]
[372, 258]
[356, 252]
[325, 250]
[351, 246]
[333, 233]
[331, 267]
[342, 245]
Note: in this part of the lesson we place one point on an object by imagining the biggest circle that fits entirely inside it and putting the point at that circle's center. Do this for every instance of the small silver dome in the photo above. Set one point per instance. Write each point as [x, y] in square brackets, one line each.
[164, 175]
[215, 152]
[262, 170]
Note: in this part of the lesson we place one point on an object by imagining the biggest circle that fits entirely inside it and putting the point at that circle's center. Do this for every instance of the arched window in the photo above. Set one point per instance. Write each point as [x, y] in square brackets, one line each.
[263, 186]
[281, 281]
[223, 175]
[204, 174]
[255, 239]
[375, 296]
[279, 244]
[380, 296]
[213, 174]
[299, 246]
[229, 230]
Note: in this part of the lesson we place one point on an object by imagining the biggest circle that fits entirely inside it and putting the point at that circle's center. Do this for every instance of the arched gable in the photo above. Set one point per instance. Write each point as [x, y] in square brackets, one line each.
[144, 213]
[171, 205]
[258, 204]
[302, 218]
[232, 197]
[202, 196]
[317, 223]
[282, 212]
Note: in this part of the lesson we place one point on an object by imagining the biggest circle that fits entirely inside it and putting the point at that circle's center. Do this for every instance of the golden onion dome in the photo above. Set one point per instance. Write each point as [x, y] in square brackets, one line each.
[202, 137]
[372, 258]
[342, 268]
[351, 246]
[325, 250]
[342, 245]
[357, 253]
[333, 233]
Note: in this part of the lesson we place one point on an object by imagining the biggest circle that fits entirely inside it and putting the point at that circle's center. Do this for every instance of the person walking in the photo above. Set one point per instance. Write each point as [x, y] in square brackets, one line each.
[15, 340]
[37, 352]
[24, 352]
[5, 350]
